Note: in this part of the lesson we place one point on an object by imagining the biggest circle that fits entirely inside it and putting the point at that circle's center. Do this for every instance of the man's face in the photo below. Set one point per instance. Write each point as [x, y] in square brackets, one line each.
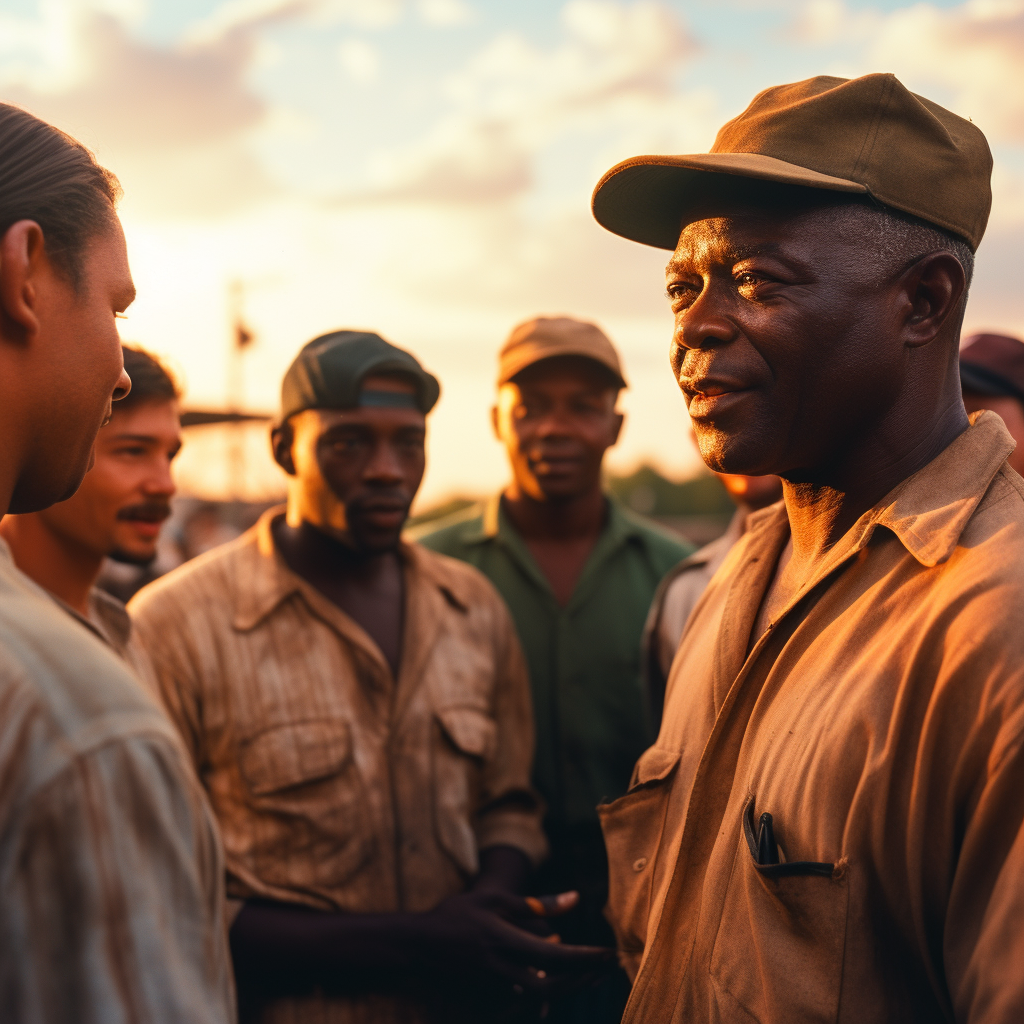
[356, 471]
[125, 496]
[78, 368]
[784, 338]
[556, 420]
[1012, 412]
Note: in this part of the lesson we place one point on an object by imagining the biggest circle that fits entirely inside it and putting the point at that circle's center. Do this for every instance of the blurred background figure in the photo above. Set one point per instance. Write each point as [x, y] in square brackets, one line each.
[578, 572]
[681, 588]
[117, 511]
[992, 377]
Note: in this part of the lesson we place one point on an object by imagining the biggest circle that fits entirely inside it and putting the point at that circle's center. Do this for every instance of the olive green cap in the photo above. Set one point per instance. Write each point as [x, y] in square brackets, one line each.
[329, 371]
[867, 135]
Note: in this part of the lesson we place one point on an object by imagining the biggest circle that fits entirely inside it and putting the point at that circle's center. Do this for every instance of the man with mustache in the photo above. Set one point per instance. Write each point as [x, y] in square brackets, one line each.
[115, 513]
[578, 572]
[359, 711]
[111, 873]
[830, 825]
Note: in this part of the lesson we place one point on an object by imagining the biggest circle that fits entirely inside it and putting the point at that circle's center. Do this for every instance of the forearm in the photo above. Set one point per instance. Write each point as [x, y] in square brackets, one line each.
[291, 948]
[505, 868]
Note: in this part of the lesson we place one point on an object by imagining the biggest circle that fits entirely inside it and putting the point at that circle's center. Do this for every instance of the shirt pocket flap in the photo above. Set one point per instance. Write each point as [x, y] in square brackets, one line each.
[472, 731]
[292, 755]
[654, 765]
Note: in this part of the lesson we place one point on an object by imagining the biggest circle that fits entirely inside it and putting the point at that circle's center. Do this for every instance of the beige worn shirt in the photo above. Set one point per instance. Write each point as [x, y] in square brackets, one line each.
[111, 876]
[880, 720]
[336, 785]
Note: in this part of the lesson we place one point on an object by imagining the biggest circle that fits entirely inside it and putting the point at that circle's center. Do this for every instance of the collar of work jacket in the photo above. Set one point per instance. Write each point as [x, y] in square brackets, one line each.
[619, 530]
[272, 581]
[927, 511]
[431, 590]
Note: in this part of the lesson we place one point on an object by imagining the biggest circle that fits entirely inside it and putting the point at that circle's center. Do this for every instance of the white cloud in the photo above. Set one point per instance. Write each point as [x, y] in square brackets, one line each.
[613, 76]
[973, 52]
[172, 122]
[359, 60]
[444, 12]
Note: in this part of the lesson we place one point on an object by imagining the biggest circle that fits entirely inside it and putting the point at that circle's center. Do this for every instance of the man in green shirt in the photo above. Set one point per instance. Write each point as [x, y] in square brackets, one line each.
[578, 573]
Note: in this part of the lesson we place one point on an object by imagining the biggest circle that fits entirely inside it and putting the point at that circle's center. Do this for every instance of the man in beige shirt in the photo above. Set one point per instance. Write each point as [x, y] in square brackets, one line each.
[111, 876]
[359, 712]
[116, 512]
[830, 825]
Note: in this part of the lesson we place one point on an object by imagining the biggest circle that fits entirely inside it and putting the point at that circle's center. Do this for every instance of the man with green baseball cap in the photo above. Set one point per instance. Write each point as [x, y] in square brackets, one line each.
[359, 711]
[830, 824]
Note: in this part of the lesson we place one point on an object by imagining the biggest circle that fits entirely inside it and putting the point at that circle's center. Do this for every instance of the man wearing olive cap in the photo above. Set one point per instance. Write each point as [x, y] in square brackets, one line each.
[829, 824]
[359, 711]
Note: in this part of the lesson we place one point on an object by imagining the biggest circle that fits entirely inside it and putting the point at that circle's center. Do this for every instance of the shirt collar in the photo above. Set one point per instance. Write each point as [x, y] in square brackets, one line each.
[929, 510]
[496, 526]
[270, 582]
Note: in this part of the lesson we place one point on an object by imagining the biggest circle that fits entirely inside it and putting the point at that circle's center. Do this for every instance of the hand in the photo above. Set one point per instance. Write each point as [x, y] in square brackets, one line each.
[482, 937]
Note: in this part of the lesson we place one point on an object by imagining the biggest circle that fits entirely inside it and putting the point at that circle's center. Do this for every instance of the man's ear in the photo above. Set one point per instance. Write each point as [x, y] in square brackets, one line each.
[22, 259]
[281, 439]
[933, 288]
[494, 421]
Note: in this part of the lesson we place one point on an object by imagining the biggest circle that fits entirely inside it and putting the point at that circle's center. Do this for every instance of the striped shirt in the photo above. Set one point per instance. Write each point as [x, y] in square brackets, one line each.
[111, 888]
[338, 786]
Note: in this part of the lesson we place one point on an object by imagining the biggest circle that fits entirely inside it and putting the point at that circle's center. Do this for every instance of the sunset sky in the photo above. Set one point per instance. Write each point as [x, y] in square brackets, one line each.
[423, 168]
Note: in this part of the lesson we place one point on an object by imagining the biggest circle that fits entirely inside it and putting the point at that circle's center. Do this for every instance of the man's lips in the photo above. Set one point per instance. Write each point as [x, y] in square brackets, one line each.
[709, 396]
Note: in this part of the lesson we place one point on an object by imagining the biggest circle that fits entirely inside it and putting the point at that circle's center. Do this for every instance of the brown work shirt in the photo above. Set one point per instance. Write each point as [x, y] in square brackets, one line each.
[880, 721]
[336, 785]
[111, 876]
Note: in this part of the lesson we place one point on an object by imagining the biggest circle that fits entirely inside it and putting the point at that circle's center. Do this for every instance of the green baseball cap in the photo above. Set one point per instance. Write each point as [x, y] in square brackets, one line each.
[329, 371]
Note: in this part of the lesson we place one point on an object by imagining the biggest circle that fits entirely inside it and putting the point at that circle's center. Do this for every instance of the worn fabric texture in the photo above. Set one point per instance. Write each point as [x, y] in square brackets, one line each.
[111, 876]
[879, 719]
[336, 785]
[584, 659]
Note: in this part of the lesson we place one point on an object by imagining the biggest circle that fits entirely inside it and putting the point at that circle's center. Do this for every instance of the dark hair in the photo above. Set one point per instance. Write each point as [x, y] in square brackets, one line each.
[49, 177]
[151, 382]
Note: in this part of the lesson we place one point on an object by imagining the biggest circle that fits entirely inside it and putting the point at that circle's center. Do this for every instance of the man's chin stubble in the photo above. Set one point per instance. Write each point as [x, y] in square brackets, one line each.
[131, 558]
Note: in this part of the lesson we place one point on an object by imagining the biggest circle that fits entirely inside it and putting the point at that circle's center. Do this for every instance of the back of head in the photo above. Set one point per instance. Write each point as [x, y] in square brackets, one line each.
[50, 178]
[151, 381]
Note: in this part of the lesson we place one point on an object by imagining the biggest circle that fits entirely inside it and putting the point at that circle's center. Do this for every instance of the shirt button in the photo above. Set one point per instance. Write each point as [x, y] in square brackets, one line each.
[640, 863]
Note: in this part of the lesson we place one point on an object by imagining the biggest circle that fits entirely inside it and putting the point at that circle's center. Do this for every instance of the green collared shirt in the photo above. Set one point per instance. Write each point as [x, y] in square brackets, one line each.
[584, 659]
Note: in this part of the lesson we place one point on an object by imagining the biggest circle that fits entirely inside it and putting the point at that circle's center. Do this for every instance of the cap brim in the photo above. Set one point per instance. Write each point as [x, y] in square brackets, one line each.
[646, 198]
[514, 365]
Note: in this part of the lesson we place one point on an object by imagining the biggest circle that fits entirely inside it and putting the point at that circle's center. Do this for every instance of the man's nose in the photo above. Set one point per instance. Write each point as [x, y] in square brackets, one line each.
[160, 484]
[384, 465]
[123, 386]
[705, 322]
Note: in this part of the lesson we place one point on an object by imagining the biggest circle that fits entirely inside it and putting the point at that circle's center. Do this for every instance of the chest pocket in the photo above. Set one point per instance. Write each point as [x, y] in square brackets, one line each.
[779, 950]
[303, 783]
[632, 827]
[467, 738]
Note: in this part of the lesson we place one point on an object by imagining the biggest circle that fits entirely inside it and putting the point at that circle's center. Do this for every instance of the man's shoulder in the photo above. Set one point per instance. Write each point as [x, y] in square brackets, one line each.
[452, 535]
[204, 582]
[465, 583]
[63, 684]
[665, 548]
[992, 541]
